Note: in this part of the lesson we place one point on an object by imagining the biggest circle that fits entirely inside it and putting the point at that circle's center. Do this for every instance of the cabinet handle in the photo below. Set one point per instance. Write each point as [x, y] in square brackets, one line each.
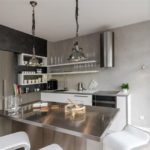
[81, 95]
[104, 102]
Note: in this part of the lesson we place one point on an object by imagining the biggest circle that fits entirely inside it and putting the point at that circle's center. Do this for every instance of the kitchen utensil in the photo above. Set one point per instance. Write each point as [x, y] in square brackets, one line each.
[80, 86]
[52, 84]
[93, 84]
[74, 103]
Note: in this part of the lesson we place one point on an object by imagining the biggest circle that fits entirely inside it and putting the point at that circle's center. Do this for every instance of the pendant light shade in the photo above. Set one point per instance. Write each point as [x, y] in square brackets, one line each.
[77, 52]
[33, 61]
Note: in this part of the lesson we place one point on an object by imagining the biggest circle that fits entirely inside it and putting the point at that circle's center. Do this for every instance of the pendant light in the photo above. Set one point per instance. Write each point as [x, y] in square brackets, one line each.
[77, 52]
[33, 61]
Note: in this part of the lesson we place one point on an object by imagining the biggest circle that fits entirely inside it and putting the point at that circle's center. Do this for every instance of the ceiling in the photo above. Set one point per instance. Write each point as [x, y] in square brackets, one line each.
[55, 18]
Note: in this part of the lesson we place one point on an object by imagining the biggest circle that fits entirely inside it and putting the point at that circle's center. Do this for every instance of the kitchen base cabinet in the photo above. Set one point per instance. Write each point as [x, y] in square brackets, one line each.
[66, 141]
[123, 116]
[83, 99]
[35, 133]
[41, 137]
[56, 97]
[63, 98]
[5, 126]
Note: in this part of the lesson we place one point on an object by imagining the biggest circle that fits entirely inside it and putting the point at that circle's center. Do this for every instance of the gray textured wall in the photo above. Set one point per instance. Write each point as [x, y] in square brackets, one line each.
[7, 73]
[132, 50]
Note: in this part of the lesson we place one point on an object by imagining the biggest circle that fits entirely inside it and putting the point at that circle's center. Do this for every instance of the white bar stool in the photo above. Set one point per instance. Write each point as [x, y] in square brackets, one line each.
[52, 147]
[128, 139]
[15, 141]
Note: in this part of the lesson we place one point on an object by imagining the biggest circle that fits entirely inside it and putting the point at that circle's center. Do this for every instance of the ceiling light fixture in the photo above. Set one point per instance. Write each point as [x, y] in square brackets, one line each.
[33, 61]
[77, 52]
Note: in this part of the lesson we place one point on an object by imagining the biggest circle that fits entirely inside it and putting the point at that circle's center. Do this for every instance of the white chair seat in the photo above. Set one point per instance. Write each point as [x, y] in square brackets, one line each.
[52, 147]
[15, 141]
[127, 139]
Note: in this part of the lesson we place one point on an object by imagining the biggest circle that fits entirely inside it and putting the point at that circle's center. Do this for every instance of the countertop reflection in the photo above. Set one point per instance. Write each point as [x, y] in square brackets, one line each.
[90, 125]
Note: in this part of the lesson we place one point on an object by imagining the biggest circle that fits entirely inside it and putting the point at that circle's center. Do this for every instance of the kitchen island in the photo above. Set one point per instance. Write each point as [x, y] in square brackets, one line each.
[55, 126]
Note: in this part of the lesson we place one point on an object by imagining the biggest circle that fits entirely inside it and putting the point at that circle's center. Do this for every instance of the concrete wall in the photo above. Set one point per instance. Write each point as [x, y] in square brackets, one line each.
[132, 50]
[7, 73]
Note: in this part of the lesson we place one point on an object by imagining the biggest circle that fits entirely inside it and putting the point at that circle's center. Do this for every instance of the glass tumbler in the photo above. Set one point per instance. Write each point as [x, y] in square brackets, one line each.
[12, 104]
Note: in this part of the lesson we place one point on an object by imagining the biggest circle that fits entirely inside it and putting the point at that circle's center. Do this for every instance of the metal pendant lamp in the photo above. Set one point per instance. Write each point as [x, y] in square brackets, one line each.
[33, 61]
[77, 52]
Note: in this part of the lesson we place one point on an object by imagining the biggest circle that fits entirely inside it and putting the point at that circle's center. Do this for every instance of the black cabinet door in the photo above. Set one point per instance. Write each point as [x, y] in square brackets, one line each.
[41, 47]
[16, 41]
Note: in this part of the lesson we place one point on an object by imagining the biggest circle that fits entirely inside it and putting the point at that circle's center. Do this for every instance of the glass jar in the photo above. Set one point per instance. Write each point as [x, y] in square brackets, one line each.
[12, 104]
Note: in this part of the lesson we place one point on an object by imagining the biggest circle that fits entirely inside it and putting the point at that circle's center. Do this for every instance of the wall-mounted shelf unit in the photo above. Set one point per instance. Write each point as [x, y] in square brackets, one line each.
[74, 72]
[32, 79]
[72, 63]
[83, 67]
[24, 58]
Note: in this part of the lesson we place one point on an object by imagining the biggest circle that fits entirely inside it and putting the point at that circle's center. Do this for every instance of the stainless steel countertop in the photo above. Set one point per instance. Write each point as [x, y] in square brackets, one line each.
[92, 125]
[85, 92]
[88, 92]
[106, 93]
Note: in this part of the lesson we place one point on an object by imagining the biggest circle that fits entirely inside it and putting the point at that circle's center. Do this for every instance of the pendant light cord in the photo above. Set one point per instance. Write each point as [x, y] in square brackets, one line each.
[33, 23]
[33, 29]
[76, 17]
[77, 54]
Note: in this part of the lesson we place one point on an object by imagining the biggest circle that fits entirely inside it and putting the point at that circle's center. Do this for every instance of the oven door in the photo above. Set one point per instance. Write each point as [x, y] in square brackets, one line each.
[105, 101]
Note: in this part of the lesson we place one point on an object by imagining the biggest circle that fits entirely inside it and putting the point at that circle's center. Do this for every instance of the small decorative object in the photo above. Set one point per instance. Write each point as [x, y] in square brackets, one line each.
[93, 85]
[125, 87]
[36, 107]
[44, 107]
[40, 107]
[74, 109]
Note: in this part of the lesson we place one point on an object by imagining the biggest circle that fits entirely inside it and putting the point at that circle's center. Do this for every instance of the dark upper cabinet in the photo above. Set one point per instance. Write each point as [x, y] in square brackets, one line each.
[19, 42]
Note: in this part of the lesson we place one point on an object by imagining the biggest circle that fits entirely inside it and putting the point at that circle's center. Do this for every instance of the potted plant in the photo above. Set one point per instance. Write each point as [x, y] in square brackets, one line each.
[125, 87]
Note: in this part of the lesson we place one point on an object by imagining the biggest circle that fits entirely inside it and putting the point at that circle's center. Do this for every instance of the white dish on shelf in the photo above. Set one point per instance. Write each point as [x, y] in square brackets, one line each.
[34, 83]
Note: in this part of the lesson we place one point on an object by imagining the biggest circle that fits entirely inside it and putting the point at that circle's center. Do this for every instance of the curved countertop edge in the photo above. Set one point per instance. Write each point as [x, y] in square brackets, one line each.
[58, 129]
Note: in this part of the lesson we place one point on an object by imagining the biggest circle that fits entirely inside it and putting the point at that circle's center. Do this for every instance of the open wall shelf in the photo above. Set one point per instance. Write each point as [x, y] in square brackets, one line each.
[24, 58]
[74, 72]
[32, 79]
[83, 67]
[72, 63]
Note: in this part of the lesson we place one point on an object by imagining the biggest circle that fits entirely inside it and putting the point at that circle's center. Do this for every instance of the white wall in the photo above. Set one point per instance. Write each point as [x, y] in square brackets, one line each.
[132, 50]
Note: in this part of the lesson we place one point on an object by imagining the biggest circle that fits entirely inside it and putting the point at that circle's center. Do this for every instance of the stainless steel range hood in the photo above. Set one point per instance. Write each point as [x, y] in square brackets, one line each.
[107, 49]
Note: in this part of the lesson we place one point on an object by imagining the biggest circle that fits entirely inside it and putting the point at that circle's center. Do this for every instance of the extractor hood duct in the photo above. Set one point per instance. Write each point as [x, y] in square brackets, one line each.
[107, 49]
